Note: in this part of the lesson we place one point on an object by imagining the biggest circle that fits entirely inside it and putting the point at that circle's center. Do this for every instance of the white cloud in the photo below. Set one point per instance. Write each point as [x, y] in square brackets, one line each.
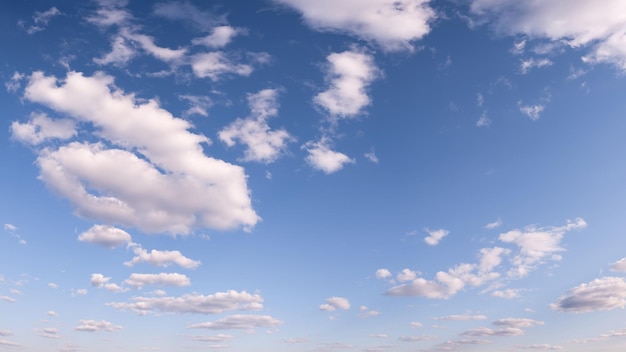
[191, 191]
[406, 275]
[193, 303]
[100, 281]
[52, 285]
[483, 120]
[52, 313]
[529, 64]
[491, 257]
[367, 313]
[605, 293]
[348, 74]
[8, 299]
[169, 279]
[220, 37]
[14, 83]
[383, 273]
[262, 144]
[371, 156]
[9, 343]
[334, 303]
[619, 266]
[532, 111]
[41, 19]
[517, 322]
[199, 105]
[95, 326]
[537, 244]
[147, 43]
[41, 128]
[161, 258]
[493, 225]
[189, 13]
[417, 338]
[434, 236]
[50, 333]
[239, 321]
[79, 292]
[214, 338]
[575, 22]
[444, 286]
[322, 157]
[216, 64]
[122, 51]
[416, 324]
[506, 294]
[457, 317]
[393, 25]
[10, 227]
[542, 347]
[110, 13]
[492, 332]
[6, 333]
[104, 235]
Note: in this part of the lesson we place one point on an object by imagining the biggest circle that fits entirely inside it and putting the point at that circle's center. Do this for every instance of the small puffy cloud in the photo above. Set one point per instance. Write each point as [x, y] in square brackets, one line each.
[456, 317]
[239, 322]
[8, 299]
[214, 338]
[444, 286]
[40, 128]
[14, 83]
[334, 303]
[392, 25]
[434, 236]
[619, 266]
[517, 322]
[406, 275]
[95, 326]
[493, 225]
[161, 258]
[416, 324]
[605, 293]
[367, 313]
[383, 273]
[79, 292]
[104, 235]
[491, 257]
[172, 194]
[220, 37]
[193, 303]
[122, 51]
[52, 313]
[348, 74]
[529, 64]
[165, 279]
[52, 285]
[262, 144]
[506, 294]
[491, 332]
[532, 111]
[110, 13]
[98, 280]
[417, 338]
[322, 157]
[147, 43]
[50, 333]
[216, 64]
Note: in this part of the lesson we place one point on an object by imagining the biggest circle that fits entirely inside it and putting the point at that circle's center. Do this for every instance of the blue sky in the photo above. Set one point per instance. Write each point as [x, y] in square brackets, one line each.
[290, 175]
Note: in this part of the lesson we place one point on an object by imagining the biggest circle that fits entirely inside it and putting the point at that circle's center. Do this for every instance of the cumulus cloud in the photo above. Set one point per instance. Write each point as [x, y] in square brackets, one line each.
[322, 157]
[95, 326]
[199, 105]
[193, 303]
[577, 23]
[262, 144]
[536, 244]
[164, 279]
[434, 236]
[383, 273]
[104, 235]
[40, 128]
[406, 275]
[122, 51]
[334, 303]
[161, 258]
[239, 322]
[393, 25]
[216, 64]
[178, 187]
[491, 332]
[100, 281]
[605, 293]
[220, 37]
[444, 286]
[349, 73]
[367, 313]
[619, 266]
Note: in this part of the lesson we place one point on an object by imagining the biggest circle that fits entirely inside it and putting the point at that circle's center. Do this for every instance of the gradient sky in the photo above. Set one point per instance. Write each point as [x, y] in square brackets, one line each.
[296, 175]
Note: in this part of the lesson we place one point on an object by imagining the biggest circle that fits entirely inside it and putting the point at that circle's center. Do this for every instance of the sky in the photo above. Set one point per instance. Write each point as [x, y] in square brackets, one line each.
[294, 175]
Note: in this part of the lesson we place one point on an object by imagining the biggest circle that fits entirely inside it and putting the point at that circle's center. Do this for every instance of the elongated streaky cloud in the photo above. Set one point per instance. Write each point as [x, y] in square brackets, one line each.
[349, 74]
[162, 279]
[262, 144]
[393, 25]
[95, 325]
[239, 322]
[193, 190]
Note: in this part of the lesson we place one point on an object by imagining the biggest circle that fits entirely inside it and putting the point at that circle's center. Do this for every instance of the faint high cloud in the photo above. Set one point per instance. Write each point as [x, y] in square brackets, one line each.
[106, 236]
[214, 338]
[220, 37]
[417, 338]
[605, 293]
[349, 73]
[434, 236]
[541, 347]
[392, 25]
[161, 258]
[577, 23]
[189, 13]
[529, 64]
[491, 332]
[461, 317]
[493, 225]
[532, 111]
[41, 19]
[517, 322]
[334, 303]
[171, 194]
[506, 294]
[95, 326]
[217, 303]
[239, 322]
[262, 144]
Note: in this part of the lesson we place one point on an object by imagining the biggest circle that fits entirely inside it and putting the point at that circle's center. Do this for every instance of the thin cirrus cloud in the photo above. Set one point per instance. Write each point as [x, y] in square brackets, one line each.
[163, 202]
[392, 25]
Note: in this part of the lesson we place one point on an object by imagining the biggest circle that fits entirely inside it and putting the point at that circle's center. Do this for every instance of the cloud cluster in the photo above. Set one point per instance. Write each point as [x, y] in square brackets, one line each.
[334, 303]
[161, 258]
[177, 187]
[605, 293]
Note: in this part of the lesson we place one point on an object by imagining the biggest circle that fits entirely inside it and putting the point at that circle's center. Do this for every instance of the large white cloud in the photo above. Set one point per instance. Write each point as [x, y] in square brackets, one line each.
[239, 322]
[574, 22]
[392, 24]
[262, 144]
[600, 294]
[193, 303]
[177, 187]
[107, 236]
[349, 73]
